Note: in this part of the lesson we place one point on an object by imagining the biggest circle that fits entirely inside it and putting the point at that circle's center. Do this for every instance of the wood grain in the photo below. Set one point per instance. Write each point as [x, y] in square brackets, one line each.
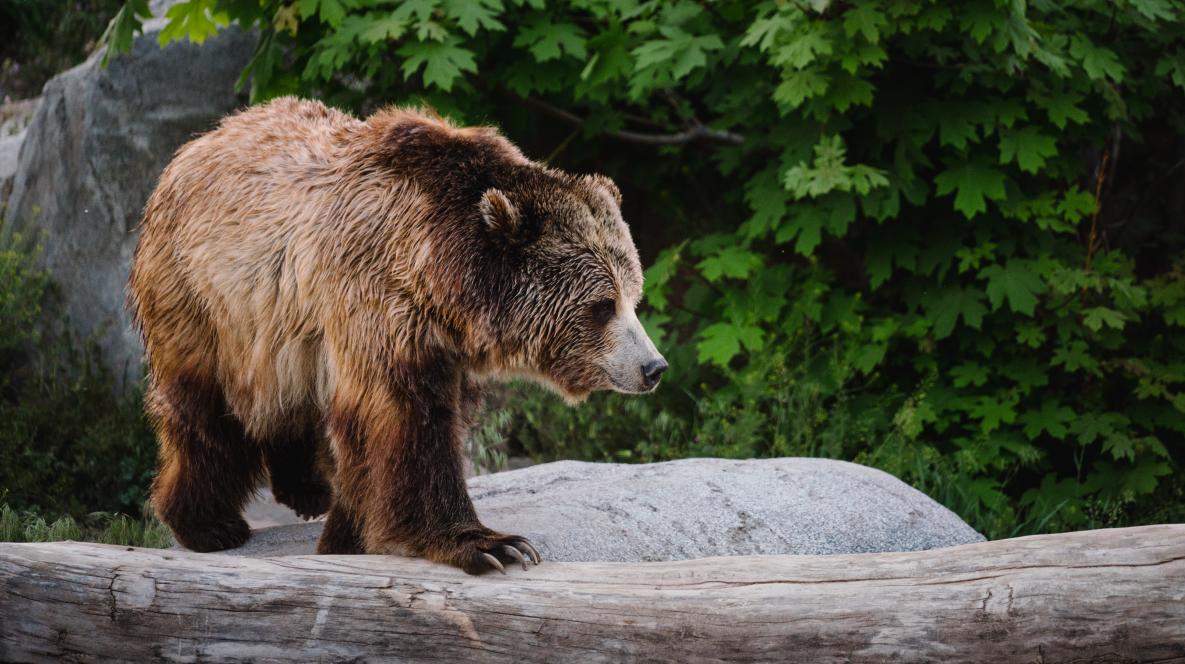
[1094, 596]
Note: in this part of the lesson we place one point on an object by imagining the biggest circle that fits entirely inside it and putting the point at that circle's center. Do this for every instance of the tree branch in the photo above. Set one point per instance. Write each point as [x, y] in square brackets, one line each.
[697, 132]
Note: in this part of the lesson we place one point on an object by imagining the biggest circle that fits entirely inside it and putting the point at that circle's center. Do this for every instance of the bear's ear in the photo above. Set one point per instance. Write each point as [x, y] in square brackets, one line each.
[598, 180]
[499, 214]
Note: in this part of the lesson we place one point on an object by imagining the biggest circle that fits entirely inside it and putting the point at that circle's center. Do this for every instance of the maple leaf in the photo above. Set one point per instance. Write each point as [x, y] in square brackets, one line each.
[1051, 418]
[1028, 147]
[1014, 281]
[947, 306]
[550, 41]
[443, 61]
[973, 182]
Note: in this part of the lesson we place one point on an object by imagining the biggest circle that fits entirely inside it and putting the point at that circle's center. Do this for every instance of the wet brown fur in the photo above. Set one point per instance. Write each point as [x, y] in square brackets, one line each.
[321, 298]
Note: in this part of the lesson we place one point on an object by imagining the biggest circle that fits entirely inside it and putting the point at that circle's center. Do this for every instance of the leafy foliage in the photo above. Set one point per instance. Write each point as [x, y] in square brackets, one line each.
[947, 245]
[39, 38]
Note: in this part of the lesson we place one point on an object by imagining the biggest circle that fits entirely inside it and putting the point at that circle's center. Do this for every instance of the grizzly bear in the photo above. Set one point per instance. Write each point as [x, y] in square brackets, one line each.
[322, 299]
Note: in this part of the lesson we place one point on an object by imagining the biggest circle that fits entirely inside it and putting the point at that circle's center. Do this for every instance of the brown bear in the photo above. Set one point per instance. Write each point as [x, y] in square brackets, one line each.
[321, 299]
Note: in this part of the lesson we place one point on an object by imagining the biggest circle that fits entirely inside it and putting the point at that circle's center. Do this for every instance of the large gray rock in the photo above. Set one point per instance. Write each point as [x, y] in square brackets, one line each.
[14, 122]
[692, 508]
[10, 148]
[91, 156]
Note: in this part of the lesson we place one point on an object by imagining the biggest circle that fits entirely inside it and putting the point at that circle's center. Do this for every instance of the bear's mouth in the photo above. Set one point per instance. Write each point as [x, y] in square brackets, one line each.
[624, 389]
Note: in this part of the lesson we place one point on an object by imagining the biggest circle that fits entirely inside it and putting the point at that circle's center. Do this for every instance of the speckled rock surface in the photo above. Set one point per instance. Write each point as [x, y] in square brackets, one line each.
[92, 154]
[693, 508]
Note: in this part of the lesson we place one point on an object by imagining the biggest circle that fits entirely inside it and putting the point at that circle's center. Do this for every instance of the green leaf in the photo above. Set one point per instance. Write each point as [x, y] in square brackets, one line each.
[678, 54]
[992, 412]
[828, 173]
[848, 91]
[733, 261]
[1074, 357]
[654, 323]
[1052, 418]
[763, 33]
[1030, 335]
[1028, 147]
[658, 276]
[194, 19]
[383, 28]
[1062, 108]
[1090, 427]
[767, 200]
[610, 60]
[550, 41]
[1172, 67]
[122, 30]
[1095, 318]
[474, 15]
[973, 182]
[869, 356]
[864, 20]
[806, 223]
[1015, 281]
[1142, 478]
[798, 86]
[1098, 61]
[969, 373]
[979, 20]
[443, 62]
[808, 44]
[419, 10]
[330, 12]
[948, 305]
[986, 492]
[1026, 374]
[720, 342]
[957, 125]
[1154, 10]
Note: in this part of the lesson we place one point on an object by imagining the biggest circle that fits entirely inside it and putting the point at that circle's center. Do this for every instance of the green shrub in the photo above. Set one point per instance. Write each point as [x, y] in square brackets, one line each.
[69, 442]
[940, 238]
[105, 528]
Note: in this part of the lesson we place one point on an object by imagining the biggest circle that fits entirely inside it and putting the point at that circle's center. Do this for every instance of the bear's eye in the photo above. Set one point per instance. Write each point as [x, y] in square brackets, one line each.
[602, 311]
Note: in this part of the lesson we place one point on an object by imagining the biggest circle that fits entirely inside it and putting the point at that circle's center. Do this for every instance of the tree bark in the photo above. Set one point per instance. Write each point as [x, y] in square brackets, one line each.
[1095, 596]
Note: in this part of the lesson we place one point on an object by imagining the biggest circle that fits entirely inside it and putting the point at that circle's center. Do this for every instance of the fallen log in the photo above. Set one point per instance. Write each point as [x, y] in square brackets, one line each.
[1094, 596]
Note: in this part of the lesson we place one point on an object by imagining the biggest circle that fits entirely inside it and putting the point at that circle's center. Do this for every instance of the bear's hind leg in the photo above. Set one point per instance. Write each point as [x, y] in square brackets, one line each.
[342, 534]
[300, 467]
[208, 466]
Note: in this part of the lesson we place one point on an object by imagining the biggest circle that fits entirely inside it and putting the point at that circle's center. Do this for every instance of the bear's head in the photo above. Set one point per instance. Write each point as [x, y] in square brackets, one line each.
[568, 283]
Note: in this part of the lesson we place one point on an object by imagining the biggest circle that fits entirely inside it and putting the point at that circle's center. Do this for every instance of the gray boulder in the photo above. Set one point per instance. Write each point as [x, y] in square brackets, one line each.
[693, 508]
[10, 147]
[92, 155]
[14, 121]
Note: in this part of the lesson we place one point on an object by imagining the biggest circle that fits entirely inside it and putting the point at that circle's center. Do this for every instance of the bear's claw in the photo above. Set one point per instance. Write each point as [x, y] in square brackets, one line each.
[493, 552]
[494, 562]
[516, 554]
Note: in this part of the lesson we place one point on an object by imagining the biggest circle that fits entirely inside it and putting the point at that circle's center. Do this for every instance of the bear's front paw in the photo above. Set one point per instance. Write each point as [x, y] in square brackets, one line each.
[481, 553]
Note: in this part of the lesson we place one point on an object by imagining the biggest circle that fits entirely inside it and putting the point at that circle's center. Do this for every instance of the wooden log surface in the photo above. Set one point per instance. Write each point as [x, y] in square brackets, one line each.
[1095, 596]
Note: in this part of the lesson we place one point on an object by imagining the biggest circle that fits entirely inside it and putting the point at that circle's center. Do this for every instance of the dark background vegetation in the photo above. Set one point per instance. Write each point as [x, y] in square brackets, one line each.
[942, 239]
[39, 38]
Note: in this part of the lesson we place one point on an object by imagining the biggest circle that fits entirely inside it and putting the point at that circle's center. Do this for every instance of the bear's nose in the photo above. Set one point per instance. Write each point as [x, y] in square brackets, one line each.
[652, 372]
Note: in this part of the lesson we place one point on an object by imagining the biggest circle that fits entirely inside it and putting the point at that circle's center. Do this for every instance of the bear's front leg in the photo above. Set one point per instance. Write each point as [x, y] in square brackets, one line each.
[400, 470]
